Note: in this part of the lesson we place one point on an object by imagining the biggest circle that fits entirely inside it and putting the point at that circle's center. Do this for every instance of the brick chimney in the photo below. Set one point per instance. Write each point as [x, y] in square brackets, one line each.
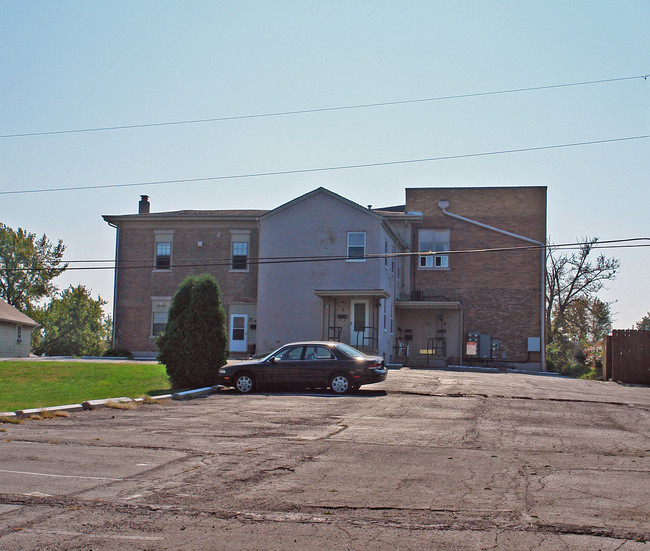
[143, 205]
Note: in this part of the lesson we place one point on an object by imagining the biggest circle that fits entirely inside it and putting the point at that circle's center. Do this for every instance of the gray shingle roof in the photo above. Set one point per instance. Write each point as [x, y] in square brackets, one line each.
[12, 315]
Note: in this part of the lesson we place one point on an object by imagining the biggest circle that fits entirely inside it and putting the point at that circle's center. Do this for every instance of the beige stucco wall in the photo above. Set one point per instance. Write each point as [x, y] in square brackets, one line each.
[288, 308]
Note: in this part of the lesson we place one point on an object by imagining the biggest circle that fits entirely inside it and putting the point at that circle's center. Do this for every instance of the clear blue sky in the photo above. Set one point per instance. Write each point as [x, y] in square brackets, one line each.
[86, 64]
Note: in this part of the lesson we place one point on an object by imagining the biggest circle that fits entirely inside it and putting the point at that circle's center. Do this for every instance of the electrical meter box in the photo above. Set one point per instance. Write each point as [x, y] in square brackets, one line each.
[494, 352]
[485, 346]
[471, 347]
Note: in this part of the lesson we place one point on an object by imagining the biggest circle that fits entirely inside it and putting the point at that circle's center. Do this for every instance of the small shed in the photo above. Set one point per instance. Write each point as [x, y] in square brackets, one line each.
[15, 332]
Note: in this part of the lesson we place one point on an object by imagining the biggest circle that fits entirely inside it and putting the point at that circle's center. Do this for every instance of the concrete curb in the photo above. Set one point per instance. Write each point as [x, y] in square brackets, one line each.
[37, 411]
[96, 404]
[89, 405]
[196, 393]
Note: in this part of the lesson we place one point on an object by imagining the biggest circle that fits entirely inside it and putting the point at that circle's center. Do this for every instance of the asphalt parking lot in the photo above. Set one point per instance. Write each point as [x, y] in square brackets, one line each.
[426, 460]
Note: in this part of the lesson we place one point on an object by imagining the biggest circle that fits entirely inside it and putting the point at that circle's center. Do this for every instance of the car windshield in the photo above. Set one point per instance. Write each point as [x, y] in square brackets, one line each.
[349, 351]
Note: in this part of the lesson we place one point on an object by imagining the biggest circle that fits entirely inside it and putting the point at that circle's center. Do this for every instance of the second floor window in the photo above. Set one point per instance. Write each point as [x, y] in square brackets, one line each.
[239, 259]
[436, 241]
[163, 255]
[356, 245]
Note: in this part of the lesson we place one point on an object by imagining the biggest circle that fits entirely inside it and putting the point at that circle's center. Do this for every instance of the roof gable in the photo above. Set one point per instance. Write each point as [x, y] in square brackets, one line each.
[317, 191]
[12, 315]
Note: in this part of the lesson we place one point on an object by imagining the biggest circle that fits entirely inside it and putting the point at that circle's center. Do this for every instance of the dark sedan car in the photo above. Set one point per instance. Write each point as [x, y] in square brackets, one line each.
[308, 364]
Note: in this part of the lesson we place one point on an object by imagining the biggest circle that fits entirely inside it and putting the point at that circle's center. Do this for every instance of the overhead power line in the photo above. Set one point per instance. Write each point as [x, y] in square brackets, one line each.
[326, 169]
[321, 109]
[217, 262]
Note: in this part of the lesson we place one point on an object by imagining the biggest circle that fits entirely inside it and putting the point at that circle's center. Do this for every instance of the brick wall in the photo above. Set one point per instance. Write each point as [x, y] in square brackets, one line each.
[500, 292]
[138, 281]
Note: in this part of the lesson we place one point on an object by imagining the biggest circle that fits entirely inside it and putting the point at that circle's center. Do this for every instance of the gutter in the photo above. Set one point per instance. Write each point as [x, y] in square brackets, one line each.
[443, 204]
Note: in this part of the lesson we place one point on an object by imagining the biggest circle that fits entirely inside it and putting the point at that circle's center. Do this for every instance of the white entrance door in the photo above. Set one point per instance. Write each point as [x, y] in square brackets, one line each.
[238, 333]
[359, 322]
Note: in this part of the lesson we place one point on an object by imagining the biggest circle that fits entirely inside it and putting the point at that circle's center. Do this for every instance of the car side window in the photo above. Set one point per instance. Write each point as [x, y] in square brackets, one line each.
[318, 353]
[294, 353]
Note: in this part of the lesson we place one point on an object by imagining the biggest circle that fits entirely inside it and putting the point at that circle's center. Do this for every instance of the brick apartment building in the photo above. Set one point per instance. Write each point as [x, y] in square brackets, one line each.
[453, 276]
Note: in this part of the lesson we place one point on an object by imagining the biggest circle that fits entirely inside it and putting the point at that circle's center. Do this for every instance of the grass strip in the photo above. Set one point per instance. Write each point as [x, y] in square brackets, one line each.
[25, 384]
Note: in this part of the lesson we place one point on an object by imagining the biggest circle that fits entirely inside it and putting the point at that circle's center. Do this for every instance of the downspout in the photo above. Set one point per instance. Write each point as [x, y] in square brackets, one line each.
[117, 242]
[445, 204]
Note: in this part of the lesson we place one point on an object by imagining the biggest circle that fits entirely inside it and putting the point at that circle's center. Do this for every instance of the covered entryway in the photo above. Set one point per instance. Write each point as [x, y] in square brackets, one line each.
[352, 316]
[429, 333]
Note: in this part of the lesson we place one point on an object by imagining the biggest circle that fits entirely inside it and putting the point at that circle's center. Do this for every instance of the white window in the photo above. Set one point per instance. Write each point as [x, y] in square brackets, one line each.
[163, 249]
[163, 255]
[159, 314]
[386, 254]
[239, 250]
[239, 260]
[356, 246]
[433, 241]
[19, 334]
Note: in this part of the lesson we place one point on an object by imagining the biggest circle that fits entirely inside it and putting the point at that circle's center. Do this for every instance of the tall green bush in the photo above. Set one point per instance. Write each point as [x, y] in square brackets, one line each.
[194, 344]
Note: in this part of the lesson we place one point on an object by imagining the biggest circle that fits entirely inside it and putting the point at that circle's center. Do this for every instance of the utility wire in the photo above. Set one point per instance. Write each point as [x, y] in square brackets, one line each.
[600, 244]
[201, 263]
[325, 169]
[321, 109]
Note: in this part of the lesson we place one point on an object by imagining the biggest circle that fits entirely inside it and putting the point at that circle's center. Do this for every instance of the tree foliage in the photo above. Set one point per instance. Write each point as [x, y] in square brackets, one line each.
[27, 267]
[576, 319]
[72, 324]
[644, 323]
[194, 344]
[573, 277]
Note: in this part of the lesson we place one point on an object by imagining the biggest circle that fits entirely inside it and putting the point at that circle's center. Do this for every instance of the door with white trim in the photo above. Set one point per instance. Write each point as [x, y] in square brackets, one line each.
[238, 341]
[359, 322]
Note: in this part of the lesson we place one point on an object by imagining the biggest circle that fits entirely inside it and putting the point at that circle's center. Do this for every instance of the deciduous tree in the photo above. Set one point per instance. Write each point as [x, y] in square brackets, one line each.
[28, 265]
[644, 323]
[573, 277]
[576, 319]
[72, 324]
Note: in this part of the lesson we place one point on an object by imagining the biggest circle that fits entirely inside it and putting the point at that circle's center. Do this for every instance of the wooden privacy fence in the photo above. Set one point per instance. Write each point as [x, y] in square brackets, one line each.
[627, 357]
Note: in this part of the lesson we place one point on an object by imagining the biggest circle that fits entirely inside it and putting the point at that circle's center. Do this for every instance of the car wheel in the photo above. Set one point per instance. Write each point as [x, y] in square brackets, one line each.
[244, 383]
[340, 384]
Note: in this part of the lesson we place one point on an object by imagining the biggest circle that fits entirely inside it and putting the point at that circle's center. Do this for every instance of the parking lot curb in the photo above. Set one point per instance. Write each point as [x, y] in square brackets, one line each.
[96, 404]
[196, 393]
[88, 405]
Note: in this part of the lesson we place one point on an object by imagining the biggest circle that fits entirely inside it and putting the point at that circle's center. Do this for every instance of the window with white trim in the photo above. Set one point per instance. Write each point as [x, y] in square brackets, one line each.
[239, 259]
[19, 334]
[163, 249]
[433, 241]
[163, 255]
[356, 246]
[239, 250]
[159, 314]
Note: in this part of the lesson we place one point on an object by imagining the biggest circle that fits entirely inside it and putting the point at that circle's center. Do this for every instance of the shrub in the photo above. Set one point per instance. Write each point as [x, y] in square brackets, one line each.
[118, 353]
[194, 344]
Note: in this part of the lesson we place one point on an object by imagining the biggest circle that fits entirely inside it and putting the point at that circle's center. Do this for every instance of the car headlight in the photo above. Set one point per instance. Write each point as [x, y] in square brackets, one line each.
[222, 370]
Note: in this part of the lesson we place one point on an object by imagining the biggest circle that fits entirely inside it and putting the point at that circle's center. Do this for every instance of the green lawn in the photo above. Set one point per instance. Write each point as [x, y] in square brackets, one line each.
[25, 384]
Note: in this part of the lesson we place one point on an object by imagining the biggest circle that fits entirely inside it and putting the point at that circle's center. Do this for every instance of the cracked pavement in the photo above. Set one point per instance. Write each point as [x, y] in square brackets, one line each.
[428, 459]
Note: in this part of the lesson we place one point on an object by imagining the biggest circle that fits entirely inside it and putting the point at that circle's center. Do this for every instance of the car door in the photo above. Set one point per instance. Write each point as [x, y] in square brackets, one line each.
[286, 365]
[319, 364]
